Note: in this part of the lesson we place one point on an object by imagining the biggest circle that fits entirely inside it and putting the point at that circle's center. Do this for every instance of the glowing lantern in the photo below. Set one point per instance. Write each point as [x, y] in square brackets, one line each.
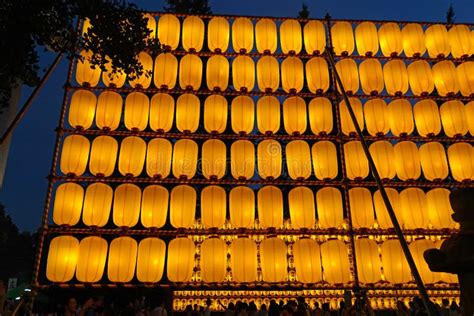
[168, 31]
[298, 160]
[68, 204]
[361, 207]
[151, 25]
[420, 78]
[242, 35]
[137, 106]
[371, 76]
[217, 73]
[243, 73]
[242, 114]
[218, 34]
[190, 72]
[182, 206]
[82, 109]
[427, 119]
[62, 258]
[325, 160]
[126, 207]
[460, 41]
[376, 117]
[347, 125]
[461, 161]
[103, 156]
[213, 159]
[347, 70]
[193, 33]
[166, 71]
[470, 117]
[122, 259]
[390, 38]
[158, 158]
[243, 260]
[383, 219]
[185, 155]
[87, 75]
[383, 155]
[466, 78]
[154, 208]
[268, 74]
[270, 207]
[437, 41]
[213, 260]
[151, 260]
[320, 116]
[290, 37]
[329, 205]
[400, 117]
[342, 38]
[268, 115]
[368, 262]
[213, 206]
[242, 207]
[266, 36]
[413, 40]
[433, 161]
[132, 156]
[395, 266]
[439, 208]
[74, 155]
[187, 113]
[143, 81]
[273, 260]
[453, 117]
[109, 110]
[91, 261]
[317, 75]
[180, 261]
[113, 80]
[269, 159]
[335, 262]
[301, 205]
[215, 114]
[294, 115]
[242, 159]
[367, 39]
[445, 78]
[414, 209]
[307, 257]
[161, 112]
[357, 166]
[407, 161]
[97, 204]
[396, 77]
[314, 37]
[292, 75]
[417, 248]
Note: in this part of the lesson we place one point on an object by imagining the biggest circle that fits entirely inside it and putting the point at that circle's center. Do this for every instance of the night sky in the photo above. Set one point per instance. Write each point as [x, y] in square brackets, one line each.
[29, 162]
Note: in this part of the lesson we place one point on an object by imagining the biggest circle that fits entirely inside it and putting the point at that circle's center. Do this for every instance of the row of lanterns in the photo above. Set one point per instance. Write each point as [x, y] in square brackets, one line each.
[394, 76]
[160, 157]
[125, 259]
[414, 208]
[389, 37]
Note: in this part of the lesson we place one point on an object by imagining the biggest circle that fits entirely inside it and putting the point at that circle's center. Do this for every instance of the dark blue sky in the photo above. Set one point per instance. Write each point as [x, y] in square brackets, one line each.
[25, 184]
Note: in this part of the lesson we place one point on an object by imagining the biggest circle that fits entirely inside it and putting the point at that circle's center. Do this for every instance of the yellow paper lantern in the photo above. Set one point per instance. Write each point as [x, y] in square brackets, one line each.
[342, 38]
[367, 39]
[317, 75]
[132, 156]
[390, 39]
[187, 113]
[242, 114]
[217, 73]
[301, 206]
[417, 249]
[182, 206]
[298, 160]
[437, 41]
[151, 25]
[461, 161]
[335, 261]
[97, 204]
[314, 37]
[357, 166]
[268, 74]
[82, 109]
[161, 112]
[213, 207]
[243, 73]
[347, 125]
[273, 260]
[137, 106]
[420, 78]
[122, 259]
[242, 35]
[466, 78]
[166, 71]
[270, 207]
[243, 260]
[74, 155]
[242, 207]
[268, 115]
[329, 205]
[368, 261]
[347, 70]
[193, 33]
[190, 72]
[242, 159]
[62, 258]
[291, 41]
[126, 207]
[433, 161]
[213, 159]
[427, 118]
[413, 39]
[68, 204]
[109, 110]
[383, 156]
[445, 78]
[87, 75]
[269, 159]
[266, 36]
[383, 219]
[361, 208]
[151, 260]
[395, 266]
[154, 208]
[103, 156]
[213, 260]
[218, 34]
[91, 261]
[407, 161]
[180, 261]
[371, 76]
[215, 114]
[185, 154]
[325, 160]
[292, 75]
[158, 158]
[470, 117]
[414, 208]
[376, 117]
[113, 80]
[396, 77]
[143, 81]
[439, 208]
[453, 117]
[169, 29]
[320, 116]
[400, 117]
[460, 41]
[294, 115]
[307, 257]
